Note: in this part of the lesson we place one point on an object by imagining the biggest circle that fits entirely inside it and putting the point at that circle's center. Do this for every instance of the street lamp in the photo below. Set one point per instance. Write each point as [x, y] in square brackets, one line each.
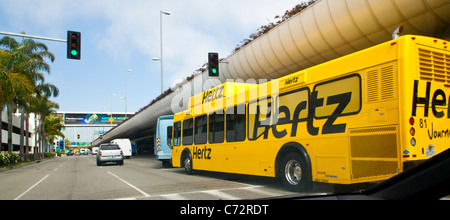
[111, 108]
[129, 70]
[161, 59]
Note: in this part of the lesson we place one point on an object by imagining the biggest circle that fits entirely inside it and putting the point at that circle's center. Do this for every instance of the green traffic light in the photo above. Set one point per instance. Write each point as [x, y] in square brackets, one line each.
[214, 70]
[73, 52]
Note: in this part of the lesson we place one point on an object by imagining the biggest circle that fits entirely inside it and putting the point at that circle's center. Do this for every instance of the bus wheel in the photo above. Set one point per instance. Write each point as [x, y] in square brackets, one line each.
[294, 173]
[187, 163]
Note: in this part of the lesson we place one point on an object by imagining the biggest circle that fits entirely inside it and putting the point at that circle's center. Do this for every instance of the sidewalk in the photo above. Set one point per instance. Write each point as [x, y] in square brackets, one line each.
[23, 164]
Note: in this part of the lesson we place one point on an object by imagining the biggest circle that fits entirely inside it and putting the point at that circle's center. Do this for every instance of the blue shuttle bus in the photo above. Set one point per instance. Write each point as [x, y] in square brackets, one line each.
[163, 139]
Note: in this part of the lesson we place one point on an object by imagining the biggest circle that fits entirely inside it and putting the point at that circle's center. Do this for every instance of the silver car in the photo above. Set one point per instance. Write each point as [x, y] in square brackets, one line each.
[109, 153]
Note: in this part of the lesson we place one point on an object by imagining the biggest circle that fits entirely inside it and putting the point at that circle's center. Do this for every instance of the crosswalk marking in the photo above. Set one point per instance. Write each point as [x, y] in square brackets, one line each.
[257, 190]
[174, 196]
[221, 195]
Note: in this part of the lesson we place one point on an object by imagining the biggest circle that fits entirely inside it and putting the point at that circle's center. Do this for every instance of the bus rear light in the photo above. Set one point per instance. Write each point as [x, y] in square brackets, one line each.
[413, 141]
[411, 121]
[412, 131]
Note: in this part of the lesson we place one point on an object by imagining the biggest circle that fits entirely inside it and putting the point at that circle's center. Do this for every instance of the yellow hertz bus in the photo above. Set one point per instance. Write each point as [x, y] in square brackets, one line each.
[359, 118]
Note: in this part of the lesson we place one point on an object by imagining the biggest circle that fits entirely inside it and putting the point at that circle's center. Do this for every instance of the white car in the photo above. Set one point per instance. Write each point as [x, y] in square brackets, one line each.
[125, 145]
[109, 153]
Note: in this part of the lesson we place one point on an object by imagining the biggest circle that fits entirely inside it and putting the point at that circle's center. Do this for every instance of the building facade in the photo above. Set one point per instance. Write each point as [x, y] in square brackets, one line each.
[30, 133]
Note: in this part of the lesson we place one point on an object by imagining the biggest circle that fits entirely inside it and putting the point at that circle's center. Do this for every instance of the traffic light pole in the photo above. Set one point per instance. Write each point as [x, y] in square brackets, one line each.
[32, 36]
[73, 52]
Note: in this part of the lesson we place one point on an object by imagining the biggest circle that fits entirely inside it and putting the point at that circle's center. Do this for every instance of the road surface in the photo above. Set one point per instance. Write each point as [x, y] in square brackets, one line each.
[140, 178]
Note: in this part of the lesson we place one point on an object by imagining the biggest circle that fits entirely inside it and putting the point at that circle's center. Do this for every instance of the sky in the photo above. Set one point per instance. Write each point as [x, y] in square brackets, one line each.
[118, 35]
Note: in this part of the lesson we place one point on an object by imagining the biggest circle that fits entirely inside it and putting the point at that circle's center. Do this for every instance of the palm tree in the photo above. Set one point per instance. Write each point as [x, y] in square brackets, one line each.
[26, 59]
[36, 52]
[42, 107]
[52, 128]
[13, 83]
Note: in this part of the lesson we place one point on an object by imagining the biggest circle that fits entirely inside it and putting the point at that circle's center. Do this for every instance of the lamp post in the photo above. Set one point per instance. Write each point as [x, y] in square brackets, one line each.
[161, 31]
[111, 109]
[129, 70]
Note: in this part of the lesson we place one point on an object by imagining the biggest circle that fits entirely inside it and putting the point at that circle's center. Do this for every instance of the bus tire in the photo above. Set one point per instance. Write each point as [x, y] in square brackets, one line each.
[294, 173]
[187, 163]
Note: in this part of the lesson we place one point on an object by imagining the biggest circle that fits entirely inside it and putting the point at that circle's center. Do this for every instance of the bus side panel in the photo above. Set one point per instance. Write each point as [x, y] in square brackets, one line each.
[374, 140]
[176, 156]
[368, 150]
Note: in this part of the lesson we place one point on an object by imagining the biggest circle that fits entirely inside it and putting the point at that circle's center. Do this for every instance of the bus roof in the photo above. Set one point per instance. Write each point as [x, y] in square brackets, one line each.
[164, 117]
[219, 93]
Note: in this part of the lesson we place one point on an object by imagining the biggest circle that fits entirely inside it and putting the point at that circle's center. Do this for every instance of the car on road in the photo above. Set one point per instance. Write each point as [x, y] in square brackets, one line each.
[109, 153]
[125, 146]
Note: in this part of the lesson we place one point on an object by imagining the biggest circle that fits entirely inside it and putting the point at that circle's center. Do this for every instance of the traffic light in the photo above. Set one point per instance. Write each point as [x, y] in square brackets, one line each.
[73, 45]
[78, 136]
[213, 64]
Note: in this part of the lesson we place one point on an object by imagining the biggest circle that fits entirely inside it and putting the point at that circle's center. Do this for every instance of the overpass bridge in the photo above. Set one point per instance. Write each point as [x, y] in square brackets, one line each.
[326, 30]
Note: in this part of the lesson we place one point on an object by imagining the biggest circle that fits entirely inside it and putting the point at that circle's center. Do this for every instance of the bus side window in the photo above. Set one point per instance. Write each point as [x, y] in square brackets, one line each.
[236, 123]
[176, 134]
[216, 128]
[200, 130]
[188, 126]
[169, 136]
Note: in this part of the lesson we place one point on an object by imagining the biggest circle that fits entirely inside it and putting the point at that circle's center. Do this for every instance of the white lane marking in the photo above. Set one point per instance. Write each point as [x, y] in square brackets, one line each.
[174, 196]
[129, 198]
[221, 194]
[131, 185]
[217, 193]
[260, 191]
[20, 196]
